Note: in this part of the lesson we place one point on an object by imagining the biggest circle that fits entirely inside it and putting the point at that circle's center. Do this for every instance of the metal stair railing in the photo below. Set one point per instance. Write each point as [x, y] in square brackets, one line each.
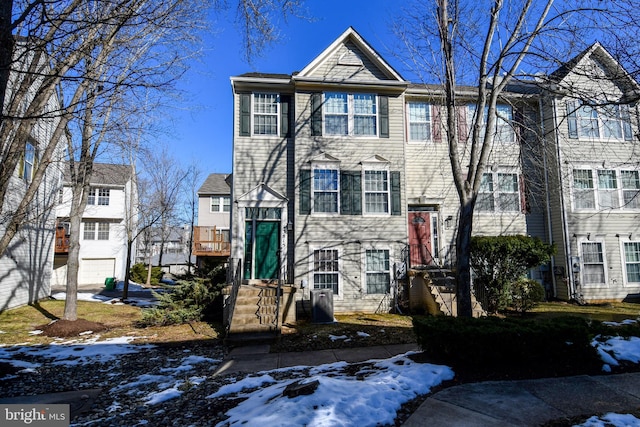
[233, 296]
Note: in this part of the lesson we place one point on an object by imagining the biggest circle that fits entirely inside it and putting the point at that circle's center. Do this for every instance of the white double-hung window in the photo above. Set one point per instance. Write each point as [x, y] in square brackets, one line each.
[632, 261]
[419, 121]
[598, 120]
[265, 113]
[376, 191]
[377, 271]
[593, 263]
[325, 189]
[350, 114]
[326, 272]
[605, 189]
[499, 192]
[503, 130]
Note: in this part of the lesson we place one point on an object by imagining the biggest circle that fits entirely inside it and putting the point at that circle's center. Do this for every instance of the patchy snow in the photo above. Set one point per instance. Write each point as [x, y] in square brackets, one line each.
[611, 419]
[368, 396]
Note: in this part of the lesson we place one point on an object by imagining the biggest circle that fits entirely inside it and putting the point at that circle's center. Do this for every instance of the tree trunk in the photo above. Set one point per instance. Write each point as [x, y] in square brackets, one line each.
[73, 259]
[127, 274]
[149, 273]
[6, 50]
[463, 259]
[161, 251]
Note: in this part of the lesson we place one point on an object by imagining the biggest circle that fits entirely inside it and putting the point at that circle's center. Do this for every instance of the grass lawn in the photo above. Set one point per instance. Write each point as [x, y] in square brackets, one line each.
[16, 324]
[349, 331]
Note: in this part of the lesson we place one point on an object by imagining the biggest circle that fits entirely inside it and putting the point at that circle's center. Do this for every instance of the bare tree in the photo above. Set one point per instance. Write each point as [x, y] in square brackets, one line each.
[489, 44]
[190, 208]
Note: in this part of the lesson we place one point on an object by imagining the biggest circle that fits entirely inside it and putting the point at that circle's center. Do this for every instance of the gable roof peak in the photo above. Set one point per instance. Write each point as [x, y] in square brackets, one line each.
[351, 58]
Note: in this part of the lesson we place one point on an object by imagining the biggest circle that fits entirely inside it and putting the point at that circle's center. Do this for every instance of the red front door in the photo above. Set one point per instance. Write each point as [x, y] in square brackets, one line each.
[420, 239]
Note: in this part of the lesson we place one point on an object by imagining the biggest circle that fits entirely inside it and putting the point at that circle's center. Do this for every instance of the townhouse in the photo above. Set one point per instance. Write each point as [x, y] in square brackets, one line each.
[110, 213]
[342, 178]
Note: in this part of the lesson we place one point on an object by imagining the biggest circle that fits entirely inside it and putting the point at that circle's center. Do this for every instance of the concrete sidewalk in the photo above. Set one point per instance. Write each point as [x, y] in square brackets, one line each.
[528, 402]
[492, 403]
[257, 358]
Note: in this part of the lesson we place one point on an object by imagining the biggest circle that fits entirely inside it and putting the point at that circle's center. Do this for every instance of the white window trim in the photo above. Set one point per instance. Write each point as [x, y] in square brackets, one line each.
[350, 117]
[220, 204]
[594, 174]
[593, 239]
[495, 172]
[324, 165]
[253, 115]
[367, 246]
[31, 163]
[623, 260]
[430, 122]
[317, 247]
[500, 121]
[376, 166]
[600, 120]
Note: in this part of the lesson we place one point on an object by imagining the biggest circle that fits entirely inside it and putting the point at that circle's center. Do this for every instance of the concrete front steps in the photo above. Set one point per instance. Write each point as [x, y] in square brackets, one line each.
[434, 291]
[255, 309]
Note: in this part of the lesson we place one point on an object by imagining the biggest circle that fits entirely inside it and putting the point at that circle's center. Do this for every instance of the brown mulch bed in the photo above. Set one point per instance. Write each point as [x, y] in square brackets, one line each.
[70, 328]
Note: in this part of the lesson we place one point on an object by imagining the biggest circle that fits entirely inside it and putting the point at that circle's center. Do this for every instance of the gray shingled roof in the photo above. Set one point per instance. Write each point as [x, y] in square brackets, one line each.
[216, 183]
[106, 174]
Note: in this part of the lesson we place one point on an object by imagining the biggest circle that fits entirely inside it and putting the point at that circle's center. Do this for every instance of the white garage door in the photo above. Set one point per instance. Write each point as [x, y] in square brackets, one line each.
[94, 271]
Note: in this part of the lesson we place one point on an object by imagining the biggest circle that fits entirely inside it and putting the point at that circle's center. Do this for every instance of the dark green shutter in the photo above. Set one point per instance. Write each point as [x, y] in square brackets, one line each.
[245, 114]
[305, 192]
[350, 193]
[285, 128]
[572, 119]
[396, 200]
[384, 116]
[316, 114]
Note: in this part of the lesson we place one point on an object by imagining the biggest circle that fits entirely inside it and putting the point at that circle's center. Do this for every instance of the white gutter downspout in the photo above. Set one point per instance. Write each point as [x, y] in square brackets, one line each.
[548, 196]
[565, 226]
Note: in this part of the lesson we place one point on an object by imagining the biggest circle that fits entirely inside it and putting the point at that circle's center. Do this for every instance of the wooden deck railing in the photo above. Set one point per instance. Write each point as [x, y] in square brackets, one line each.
[62, 241]
[207, 241]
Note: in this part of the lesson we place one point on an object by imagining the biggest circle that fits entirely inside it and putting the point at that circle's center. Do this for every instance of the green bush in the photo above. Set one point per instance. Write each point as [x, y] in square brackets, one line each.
[139, 274]
[500, 261]
[196, 299]
[510, 347]
[525, 294]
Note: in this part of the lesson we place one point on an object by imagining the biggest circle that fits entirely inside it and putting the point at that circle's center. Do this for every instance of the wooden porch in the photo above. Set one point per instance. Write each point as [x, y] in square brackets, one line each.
[210, 241]
[62, 240]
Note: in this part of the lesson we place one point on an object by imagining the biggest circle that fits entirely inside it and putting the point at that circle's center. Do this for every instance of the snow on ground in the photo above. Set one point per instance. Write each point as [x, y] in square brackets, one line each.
[370, 396]
[138, 301]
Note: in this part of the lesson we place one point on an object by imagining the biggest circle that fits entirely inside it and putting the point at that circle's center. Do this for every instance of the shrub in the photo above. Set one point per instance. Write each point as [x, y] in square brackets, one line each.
[191, 300]
[139, 274]
[499, 261]
[510, 347]
[525, 294]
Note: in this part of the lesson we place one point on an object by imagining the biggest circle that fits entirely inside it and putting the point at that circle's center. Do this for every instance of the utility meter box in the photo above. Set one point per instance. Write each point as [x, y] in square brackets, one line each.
[322, 305]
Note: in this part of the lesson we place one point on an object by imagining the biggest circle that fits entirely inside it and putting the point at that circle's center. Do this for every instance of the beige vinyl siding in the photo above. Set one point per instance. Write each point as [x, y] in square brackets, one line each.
[348, 232]
[334, 67]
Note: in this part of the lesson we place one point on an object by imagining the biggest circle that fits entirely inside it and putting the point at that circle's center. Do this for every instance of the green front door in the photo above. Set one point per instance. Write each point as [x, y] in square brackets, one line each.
[262, 251]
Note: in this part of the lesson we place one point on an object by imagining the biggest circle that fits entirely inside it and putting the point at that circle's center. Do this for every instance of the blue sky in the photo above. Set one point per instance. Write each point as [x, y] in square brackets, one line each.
[201, 130]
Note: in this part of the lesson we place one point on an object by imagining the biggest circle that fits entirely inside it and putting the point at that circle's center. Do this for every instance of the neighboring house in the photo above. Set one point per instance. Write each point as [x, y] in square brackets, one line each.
[111, 206]
[342, 180]
[174, 247]
[593, 171]
[25, 268]
[211, 239]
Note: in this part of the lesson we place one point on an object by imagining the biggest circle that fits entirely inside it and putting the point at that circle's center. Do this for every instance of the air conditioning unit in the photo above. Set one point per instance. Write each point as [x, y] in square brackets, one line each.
[322, 305]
